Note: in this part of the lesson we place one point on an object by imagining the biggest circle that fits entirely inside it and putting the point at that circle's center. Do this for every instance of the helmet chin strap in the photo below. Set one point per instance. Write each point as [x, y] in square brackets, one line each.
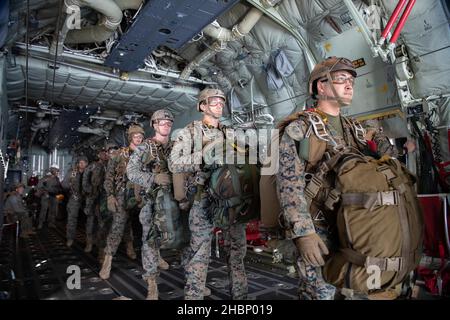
[343, 102]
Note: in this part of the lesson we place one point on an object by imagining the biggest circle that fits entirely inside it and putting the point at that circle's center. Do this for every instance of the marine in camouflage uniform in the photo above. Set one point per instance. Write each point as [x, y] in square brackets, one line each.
[15, 210]
[331, 83]
[149, 169]
[104, 217]
[196, 257]
[92, 186]
[118, 190]
[73, 181]
[49, 187]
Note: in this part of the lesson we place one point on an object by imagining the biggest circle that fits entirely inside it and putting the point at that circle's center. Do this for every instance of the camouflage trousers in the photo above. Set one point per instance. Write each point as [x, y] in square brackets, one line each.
[235, 245]
[48, 204]
[91, 209]
[150, 250]
[312, 286]
[104, 222]
[73, 208]
[195, 258]
[120, 227]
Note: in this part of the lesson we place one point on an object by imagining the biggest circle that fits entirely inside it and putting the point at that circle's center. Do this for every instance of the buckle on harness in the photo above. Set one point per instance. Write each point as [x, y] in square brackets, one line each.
[385, 264]
[313, 187]
[388, 198]
[332, 199]
[360, 132]
[318, 127]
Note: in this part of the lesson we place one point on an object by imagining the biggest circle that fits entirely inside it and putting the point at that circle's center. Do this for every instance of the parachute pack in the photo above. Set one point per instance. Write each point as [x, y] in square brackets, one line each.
[235, 193]
[379, 224]
[170, 230]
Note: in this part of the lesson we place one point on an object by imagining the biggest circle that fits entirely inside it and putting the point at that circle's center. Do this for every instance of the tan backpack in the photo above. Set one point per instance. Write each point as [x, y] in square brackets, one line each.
[379, 224]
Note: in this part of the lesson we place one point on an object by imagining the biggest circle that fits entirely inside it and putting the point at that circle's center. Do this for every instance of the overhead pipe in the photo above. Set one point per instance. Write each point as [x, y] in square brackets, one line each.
[223, 35]
[128, 4]
[391, 20]
[402, 21]
[112, 17]
[96, 131]
[37, 124]
[238, 30]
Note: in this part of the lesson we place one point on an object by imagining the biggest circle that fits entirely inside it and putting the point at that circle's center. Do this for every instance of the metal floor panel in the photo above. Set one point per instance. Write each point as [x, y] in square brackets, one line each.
[41, 263]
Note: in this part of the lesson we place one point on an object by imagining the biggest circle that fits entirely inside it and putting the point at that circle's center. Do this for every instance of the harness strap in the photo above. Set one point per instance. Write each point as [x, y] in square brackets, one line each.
[370, 200]
[385, 264]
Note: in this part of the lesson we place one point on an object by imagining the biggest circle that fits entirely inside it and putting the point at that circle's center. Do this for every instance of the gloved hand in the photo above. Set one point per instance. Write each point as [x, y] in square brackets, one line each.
[184, 204]
[162, 179]
[311, 249]
[112, 204]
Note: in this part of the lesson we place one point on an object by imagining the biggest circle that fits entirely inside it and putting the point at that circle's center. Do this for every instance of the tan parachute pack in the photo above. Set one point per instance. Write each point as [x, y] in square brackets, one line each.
[379, 224]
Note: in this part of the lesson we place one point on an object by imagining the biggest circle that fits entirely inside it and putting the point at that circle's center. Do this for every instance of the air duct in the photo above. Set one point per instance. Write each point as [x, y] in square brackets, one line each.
[223, 35]
[112, 16]
[96, 131]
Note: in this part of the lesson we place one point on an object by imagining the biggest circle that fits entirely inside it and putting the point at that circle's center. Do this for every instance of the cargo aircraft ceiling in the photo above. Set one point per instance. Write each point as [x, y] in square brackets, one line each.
[127, 58]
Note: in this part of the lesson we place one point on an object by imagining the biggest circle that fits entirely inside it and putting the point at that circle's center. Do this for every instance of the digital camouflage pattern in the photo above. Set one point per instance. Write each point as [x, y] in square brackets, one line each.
[149, 159]
[296, 216]
[92, 185]
[195, 258]
[116, 184]
[73, 182]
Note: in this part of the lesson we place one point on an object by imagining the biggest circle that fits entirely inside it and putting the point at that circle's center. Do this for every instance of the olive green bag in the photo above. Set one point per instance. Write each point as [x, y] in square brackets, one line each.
[235, 193]
[379, 224]
[169, 228]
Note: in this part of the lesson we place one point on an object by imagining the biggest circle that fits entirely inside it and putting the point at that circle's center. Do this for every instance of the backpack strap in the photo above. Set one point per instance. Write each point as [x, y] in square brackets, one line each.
[370, 200]
[236, 183]
[316, 182]
[385, 264]
[357, 130]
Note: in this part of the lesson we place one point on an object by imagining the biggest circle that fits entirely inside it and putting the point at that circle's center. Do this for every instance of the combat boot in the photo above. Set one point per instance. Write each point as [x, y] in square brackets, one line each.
[152, 293]
[69, 243]
[162, 264]
[106, 267]
[130, 250]
[88, 245]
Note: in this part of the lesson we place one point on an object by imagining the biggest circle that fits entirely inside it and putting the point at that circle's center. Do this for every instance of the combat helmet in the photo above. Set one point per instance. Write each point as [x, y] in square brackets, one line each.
[133, 129]
[324, 69]
[207, 93]
[82, 158]
[161, 114]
